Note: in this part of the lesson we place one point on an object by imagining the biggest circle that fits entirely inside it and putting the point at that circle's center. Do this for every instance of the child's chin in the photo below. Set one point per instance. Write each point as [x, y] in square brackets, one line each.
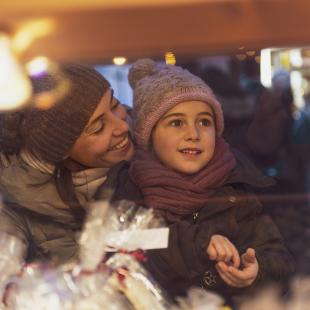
[189, 170]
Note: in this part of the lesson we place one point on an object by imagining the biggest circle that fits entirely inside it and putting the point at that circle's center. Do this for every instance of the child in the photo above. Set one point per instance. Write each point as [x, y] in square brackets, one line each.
[219, 238]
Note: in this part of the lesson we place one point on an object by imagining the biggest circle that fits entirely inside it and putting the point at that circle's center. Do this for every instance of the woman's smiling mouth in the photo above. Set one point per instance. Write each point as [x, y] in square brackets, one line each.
[120, 145]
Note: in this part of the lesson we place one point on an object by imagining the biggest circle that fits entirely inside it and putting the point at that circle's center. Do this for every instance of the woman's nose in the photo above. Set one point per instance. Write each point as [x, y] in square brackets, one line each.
[120, 123]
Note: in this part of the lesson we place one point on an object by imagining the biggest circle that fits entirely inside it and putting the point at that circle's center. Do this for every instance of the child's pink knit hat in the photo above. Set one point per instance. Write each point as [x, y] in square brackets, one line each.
[157, 88]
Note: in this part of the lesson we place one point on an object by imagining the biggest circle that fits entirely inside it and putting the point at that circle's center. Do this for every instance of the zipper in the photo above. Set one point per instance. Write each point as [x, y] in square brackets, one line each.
[195, 216]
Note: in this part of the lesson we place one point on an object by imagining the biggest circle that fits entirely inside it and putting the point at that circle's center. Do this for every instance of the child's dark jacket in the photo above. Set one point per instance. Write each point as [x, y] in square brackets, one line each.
[233, 212]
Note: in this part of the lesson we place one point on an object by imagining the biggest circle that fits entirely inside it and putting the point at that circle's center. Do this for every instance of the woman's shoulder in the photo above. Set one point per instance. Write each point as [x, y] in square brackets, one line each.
[32, 190]
[7, 160]
[14, 164]
[17, 176]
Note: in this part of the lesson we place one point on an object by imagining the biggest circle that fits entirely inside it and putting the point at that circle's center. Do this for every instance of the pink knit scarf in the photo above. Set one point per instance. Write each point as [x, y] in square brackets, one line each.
[177, 194]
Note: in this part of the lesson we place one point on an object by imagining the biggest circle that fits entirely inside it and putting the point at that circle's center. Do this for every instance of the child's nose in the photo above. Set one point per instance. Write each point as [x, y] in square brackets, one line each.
[192, 133]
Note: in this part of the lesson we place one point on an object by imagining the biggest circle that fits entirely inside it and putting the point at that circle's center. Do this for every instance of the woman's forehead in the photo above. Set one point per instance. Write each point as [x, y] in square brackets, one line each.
[103, 105]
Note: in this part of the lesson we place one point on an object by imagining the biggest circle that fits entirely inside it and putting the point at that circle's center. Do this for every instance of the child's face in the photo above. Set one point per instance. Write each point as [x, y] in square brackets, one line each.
[184, 138]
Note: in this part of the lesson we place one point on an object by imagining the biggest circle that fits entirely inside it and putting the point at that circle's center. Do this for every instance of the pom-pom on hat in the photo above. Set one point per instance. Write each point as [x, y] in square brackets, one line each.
[157, 88]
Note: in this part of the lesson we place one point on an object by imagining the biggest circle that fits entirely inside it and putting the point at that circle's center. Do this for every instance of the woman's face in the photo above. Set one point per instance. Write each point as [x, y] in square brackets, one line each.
[105, 140]
[184, 138]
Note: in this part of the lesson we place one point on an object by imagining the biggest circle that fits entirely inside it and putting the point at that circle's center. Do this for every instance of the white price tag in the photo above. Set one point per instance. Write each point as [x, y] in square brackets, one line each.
[145, 239]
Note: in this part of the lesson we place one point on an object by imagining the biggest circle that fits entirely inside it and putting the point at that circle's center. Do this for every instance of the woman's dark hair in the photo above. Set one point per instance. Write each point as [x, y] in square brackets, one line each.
[65, 188]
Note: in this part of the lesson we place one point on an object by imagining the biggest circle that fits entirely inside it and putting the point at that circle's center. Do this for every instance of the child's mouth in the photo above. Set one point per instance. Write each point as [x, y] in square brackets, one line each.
[191, 151]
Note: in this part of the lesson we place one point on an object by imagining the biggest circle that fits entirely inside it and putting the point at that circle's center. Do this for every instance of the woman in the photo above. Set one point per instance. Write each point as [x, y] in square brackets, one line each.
[53, 161]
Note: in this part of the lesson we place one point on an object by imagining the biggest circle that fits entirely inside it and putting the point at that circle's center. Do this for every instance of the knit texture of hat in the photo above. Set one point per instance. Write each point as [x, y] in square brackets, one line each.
[49, 134]
[157, 88]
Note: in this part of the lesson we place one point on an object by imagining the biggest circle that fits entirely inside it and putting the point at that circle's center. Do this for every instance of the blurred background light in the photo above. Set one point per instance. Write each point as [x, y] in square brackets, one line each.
[241, 57]
[37, 66]
[295, 58]
[15, 86]
[250, 53]
[297, 88]
[119, 61]
[170, 58]
[265, 67]
[30, 31]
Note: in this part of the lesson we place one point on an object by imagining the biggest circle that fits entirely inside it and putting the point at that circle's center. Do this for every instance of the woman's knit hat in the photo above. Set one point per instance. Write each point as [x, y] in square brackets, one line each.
[50, 133]
[157, 88]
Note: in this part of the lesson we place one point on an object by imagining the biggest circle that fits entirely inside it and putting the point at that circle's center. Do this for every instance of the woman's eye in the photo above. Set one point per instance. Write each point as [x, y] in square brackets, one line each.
[115, 105]
[205, 122]
[99, 128]
[176, 123]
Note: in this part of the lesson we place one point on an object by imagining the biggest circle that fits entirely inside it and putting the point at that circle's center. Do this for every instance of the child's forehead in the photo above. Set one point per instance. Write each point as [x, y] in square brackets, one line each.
[191, 106]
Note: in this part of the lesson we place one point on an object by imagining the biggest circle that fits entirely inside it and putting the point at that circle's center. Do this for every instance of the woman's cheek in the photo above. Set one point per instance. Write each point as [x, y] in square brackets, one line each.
[98, 147]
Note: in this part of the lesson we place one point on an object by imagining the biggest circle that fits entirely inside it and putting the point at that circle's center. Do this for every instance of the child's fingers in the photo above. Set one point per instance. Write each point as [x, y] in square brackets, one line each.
[211, 251]
[238, 274]
[222, 266]
[227, 246]
[231, 254]
[234, 276]
[224, 276]
[250, 252]
[217, 245]
[227, 277]
[245, 276]
[235, 256]
[249, 257]
[221, 249]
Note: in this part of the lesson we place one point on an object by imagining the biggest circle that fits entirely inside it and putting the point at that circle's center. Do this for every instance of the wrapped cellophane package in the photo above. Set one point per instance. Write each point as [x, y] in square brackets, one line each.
[10, 261]
[46, 288]
[200, 299]
[126, 231]
[108, 274]
[93, 281]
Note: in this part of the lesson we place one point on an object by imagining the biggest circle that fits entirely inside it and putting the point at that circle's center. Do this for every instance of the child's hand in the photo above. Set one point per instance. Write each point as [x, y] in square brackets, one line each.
[240, 277]
[221, 249]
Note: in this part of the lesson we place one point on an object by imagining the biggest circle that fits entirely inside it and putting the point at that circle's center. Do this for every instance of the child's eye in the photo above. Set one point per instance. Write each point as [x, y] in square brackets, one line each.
[176, 123]
[204, 122]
